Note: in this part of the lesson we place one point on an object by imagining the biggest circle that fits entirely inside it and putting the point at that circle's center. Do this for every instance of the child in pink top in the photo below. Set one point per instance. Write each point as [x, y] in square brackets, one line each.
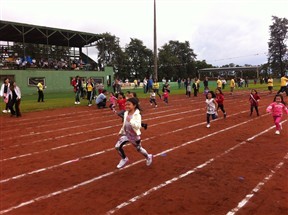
[113, 101]
[165, 96]
[277, 108]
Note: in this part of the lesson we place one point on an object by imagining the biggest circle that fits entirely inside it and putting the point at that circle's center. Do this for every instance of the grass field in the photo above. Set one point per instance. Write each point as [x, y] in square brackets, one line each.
[66, 99]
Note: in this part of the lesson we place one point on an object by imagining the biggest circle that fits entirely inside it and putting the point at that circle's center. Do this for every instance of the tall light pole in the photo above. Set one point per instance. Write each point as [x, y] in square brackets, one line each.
[155, 44]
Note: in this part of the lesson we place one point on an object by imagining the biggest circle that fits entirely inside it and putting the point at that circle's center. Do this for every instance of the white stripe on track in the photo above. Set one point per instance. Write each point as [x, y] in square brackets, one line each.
[88, 140]
[244, 201]
[172, 180]
[90, 155]
[37, 199]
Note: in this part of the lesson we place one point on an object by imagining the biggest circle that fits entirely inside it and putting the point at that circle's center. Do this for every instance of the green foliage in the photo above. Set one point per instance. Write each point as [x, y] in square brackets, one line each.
[278, 52]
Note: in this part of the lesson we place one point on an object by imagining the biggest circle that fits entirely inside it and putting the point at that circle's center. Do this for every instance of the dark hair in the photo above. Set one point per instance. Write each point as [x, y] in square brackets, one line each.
[104, 91]
[5, 79]
[254, 90]
[212, 93]
[282, 100]
[219, 90]
[134, 94]
[11, 85]
[135, 102]
[122, 94]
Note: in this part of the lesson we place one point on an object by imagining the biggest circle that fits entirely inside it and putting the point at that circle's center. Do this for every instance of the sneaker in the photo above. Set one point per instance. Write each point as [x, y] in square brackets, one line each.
[90, 105]
[76, 103]
[149, 160]
[208, 125]
[277, 132]
[122, 163]
[145, 126]
[5, 111]
[9, 111]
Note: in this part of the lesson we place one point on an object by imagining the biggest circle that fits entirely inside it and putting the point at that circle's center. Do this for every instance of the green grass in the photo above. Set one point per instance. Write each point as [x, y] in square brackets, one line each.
[66, 99]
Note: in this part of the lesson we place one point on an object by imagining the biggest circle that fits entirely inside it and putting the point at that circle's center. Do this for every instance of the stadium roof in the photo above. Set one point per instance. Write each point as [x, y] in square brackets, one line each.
[246, 68]
[26, 33]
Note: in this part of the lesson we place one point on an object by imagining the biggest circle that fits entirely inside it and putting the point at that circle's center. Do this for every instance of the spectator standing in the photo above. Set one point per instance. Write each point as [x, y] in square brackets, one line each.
[270, 84]
[223, 83]
[205, 82]
[40, 89]
[246, 81]
[4, 92]
[15, 95]
[145, 82]
[232, 85]
[156, 87]
[219, 83]
[77, 89]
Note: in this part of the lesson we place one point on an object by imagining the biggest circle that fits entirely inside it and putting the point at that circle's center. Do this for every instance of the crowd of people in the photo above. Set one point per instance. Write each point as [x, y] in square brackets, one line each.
[127, 106]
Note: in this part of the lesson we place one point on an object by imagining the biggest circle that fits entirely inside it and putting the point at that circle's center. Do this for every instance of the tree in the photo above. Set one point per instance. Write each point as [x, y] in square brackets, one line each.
[140, 60]
[277, 53]
[175, 59]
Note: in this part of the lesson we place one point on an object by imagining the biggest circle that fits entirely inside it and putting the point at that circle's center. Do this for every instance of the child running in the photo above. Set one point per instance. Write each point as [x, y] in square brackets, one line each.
[254, 100]
[134, 95]
[152, 99]
[113, 101]
[212, 107]
[220, 100]
[121, 104]
[165, 96]
[277, 107]
[130, 132]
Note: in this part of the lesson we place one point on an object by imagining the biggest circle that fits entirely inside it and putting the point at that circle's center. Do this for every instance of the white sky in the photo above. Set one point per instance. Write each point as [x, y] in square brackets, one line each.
[219, 31]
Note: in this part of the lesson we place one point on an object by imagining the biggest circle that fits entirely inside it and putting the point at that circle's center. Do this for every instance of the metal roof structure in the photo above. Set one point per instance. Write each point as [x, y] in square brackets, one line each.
[227, 69]
[26, 33]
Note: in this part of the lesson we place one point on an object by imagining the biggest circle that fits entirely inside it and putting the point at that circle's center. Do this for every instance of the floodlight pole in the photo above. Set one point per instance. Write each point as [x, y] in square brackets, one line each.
[155, 44]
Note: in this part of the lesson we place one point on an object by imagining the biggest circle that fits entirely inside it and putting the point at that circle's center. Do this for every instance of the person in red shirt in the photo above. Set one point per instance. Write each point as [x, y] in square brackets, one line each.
[220, 100]
[254, 100]
[121, 104]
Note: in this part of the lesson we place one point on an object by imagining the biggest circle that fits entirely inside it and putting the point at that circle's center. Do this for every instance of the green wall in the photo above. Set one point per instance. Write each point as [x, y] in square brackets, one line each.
[55, 80]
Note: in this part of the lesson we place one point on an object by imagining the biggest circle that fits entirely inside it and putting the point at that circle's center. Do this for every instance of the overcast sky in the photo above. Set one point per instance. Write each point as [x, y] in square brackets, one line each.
[219, 31]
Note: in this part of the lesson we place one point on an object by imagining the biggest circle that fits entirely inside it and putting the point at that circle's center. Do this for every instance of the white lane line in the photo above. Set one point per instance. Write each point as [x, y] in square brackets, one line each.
[92, 130]
[172, 180]
[97, 114]
[83, 125]
[244, 201]
[132, 164]
[94, 154]
[89, 140]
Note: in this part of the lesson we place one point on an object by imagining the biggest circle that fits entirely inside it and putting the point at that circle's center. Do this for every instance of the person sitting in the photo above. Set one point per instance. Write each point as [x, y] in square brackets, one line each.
[101, 100]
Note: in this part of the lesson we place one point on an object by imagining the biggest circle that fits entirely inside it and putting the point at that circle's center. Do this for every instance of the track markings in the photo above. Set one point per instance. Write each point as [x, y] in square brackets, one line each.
[172, 180]
[137, 162]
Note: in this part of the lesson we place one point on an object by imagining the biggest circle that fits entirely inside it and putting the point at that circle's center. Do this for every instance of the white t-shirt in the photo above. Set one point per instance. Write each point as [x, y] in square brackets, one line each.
[211, 108]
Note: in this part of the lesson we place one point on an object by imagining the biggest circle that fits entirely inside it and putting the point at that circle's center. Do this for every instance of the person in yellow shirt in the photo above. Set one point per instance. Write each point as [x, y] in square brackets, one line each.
[219, 83]
[155, 87]
[40, 89]
[89, 88]
[232, 85]
[270, 84]
[283, 85]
